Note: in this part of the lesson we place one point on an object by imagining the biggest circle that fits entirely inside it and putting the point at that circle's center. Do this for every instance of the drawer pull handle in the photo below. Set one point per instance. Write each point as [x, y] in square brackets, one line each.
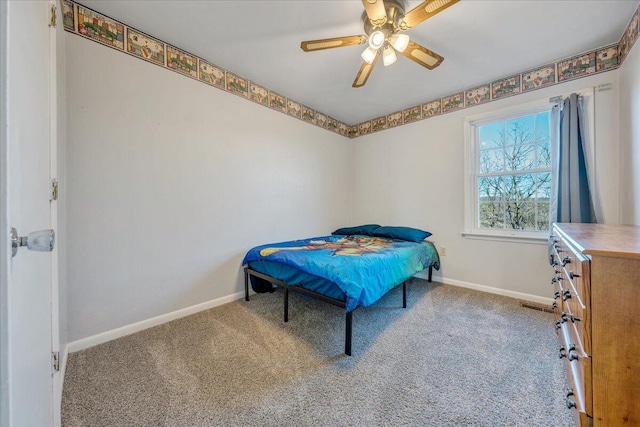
[569, 391]
[566, 260]
[573, 355]
[563, 350]
[563, 318]
[571, 403]
[575, 319]
[572, 275]
[554, 305]
[556, 295]
[566, 295]
[554, 280]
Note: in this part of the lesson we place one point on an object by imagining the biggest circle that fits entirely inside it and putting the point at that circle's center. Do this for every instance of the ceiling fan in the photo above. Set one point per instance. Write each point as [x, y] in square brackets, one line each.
[384, 20]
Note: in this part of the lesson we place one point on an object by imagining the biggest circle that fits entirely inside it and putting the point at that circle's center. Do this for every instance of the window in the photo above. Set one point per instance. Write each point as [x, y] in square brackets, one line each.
[509, 173]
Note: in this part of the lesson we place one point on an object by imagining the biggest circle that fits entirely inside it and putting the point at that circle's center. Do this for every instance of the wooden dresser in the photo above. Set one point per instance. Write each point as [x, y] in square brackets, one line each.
[596, 283]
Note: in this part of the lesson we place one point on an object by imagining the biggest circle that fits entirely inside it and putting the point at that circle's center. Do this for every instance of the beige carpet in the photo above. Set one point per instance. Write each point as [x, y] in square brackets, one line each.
[453, 357]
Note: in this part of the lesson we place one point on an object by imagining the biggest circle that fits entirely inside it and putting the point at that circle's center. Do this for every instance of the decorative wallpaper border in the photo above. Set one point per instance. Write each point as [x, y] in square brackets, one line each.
[593, 62]
[90, 24]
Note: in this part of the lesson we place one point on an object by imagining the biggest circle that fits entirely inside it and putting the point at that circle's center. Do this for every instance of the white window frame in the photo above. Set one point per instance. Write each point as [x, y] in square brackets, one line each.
[471, 125]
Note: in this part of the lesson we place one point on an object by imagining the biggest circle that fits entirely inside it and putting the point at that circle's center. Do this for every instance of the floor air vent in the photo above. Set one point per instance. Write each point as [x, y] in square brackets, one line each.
[536, 306]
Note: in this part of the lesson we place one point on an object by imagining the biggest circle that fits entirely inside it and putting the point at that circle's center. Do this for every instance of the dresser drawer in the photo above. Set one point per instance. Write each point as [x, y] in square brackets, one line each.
[578, 367]
[576, 390]
[576, 273]
[572, 263]
[577, 319]
[575, 398]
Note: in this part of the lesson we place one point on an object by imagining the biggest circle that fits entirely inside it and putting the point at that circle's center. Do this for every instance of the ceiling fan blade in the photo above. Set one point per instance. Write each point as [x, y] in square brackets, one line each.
[375, 11]
[311, 45]
[365, 71]
[425, 11]
[422, 55]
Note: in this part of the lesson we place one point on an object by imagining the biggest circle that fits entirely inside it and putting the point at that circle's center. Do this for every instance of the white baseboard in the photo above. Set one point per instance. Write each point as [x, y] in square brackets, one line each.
[103, 337]
[488, 289]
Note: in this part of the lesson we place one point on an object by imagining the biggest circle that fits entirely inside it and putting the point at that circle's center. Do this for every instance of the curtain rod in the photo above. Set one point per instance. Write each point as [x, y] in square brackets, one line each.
[600, 88]
[603, 87]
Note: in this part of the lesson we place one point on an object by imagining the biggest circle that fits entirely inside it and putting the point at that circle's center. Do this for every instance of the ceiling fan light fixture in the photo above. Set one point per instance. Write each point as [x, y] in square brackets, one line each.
[376, 39]
[388, 55]
[369, 55]
[383, 21]
[399, 42]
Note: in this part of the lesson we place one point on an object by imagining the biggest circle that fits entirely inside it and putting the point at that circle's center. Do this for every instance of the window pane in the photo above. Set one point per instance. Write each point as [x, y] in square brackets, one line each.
[520, 215]
[543, 216]
[525, 188]
[520, 130]
[543, 186]
[542, 127]
[519, 187]
[544, 155]
[491, 160]
[520, 157]
[491, 189]
[491, 215]
[490, 136]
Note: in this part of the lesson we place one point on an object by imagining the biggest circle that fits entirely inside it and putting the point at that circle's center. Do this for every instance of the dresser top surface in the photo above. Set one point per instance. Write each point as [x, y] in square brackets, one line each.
[604, 239]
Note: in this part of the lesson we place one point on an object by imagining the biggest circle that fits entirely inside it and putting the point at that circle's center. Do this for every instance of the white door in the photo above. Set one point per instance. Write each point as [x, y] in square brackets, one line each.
[27, 383]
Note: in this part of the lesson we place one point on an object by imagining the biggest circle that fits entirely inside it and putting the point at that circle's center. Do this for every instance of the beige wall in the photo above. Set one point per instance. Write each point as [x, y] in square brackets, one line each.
[630, 137]
[414, 175]
[171, 182]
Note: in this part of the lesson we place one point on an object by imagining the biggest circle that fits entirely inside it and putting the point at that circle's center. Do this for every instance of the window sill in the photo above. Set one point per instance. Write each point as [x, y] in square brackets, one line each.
[529, 238]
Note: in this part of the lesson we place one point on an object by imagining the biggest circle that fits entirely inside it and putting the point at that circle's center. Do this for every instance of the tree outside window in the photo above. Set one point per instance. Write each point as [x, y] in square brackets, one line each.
[513, 173]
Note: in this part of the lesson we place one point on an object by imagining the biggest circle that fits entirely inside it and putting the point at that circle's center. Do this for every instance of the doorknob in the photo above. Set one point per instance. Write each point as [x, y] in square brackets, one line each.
[42, 241]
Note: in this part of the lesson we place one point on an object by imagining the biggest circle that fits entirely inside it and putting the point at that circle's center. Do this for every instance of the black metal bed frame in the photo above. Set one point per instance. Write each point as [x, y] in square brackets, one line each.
[342, 304]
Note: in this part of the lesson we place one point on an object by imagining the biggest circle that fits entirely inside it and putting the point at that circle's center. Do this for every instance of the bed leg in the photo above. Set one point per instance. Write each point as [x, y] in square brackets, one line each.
[430, 272]
[347, 338]
[246, 284]
[404, 294]
[286, 303]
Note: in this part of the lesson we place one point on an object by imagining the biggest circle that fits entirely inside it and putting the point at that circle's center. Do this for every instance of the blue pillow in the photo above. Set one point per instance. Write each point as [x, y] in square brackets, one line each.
[366, 229]
[402, 233]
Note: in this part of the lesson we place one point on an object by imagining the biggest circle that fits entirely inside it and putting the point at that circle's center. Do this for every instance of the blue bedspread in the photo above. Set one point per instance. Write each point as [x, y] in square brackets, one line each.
[363, 267]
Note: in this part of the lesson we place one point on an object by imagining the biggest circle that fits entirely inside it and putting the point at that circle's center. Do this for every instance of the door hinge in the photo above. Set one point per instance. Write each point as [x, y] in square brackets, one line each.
[54, 16]
[54, 190]
[55, 361]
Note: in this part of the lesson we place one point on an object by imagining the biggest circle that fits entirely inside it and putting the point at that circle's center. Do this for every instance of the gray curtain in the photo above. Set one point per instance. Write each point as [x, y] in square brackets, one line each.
[570, 196]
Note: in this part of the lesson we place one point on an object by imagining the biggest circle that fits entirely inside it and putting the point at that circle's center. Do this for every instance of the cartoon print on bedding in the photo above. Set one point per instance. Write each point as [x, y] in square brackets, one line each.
[345, 246]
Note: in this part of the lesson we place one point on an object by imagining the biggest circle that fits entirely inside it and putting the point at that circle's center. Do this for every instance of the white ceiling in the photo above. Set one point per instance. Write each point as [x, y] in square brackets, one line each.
[481, 41]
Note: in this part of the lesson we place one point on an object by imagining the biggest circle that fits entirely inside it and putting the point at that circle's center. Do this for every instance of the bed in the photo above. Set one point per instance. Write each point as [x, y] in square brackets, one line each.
[346, 270]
